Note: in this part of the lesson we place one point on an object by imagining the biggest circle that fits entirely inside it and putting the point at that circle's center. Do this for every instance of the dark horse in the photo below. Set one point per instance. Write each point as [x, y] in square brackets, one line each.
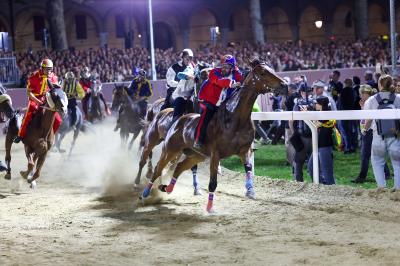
[66, 127]
[40, 135]
[129, 119]
[12, 128]
[230, 132]
[95, 111]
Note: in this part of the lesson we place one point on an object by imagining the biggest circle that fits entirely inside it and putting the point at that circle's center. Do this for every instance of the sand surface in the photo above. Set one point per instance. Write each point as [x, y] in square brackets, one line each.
[85, 211]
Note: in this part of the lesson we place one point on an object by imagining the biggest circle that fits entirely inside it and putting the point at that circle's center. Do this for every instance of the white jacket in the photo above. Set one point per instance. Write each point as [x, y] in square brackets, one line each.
[185, 86]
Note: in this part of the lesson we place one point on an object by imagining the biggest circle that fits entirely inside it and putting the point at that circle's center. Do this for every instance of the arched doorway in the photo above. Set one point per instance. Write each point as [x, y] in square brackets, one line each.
[343, 24]
[378, 20]
[277, 26]
[163, 37]
[240, 26]
[200, 24]
[308, 30]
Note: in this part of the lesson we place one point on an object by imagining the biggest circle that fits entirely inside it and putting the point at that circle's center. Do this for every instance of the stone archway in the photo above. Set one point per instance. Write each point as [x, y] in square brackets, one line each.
[24, 29]
[200, 23]
[343, 23]
[276, 25]
[240, 26]
[378, 20]
[163, 36]
[308, 31]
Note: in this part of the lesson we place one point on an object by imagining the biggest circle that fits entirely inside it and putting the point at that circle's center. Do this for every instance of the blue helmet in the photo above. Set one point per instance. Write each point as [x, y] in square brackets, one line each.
[137, 71]
[229, 60]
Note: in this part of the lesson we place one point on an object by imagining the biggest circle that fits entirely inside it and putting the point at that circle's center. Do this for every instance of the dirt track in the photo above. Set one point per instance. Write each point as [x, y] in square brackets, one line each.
[89, 214]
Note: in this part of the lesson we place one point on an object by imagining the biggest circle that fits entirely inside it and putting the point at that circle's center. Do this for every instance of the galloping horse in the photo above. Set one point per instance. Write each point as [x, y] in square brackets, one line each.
[129, 118]
[158, 126]
[66, 127]
[95, 111]
[40, 135]
[12, 128]
[230, 132]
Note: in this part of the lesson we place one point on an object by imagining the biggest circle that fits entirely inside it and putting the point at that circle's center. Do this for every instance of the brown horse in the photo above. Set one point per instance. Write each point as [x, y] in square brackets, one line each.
[158, 124]
[40, 135]
[12, 128]
[230, 132]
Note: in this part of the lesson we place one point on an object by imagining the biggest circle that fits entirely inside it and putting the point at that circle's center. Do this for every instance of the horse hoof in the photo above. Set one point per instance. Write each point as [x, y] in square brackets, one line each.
[145, 193]
[211, 211]
[197, 192]
[24, 174]
[33, 184]
[7, 176]
[162, 188]
[251, 194]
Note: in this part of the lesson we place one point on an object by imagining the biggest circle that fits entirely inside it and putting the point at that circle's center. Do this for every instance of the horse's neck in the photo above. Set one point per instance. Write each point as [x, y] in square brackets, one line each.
[237, 110]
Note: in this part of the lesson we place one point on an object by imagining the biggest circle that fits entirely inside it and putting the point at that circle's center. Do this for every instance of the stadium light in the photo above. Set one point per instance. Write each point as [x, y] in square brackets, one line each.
[153, 63]
[318, 23]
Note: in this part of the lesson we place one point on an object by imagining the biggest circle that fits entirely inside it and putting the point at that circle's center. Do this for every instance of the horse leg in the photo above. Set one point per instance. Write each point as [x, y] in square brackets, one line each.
[212, 185]
[185, 164]
[9, 142]
[76, 134]
[39, 164]
[60, 139]
[150, 166]
[165, 158]
[31, 164]
[197, 191]
[245, 158]
[146, 153]
[133, 140]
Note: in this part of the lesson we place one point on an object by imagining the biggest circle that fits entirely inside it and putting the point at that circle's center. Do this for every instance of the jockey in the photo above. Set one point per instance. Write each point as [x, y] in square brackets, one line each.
[140, 91]
[73, 89]
[220, 80]
[37, 87]
[87, 81]
[184, 90]
[172, 75]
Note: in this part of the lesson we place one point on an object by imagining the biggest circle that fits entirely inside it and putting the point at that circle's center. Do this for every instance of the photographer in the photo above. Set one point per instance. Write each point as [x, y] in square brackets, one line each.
[325, 144]
[301, 139]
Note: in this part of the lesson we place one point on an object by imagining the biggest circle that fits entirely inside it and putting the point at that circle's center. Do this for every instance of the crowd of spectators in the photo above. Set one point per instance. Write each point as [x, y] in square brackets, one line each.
[113, 64]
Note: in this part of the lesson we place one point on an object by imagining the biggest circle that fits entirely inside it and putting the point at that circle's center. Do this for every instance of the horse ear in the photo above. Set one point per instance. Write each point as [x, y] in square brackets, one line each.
[255, 61]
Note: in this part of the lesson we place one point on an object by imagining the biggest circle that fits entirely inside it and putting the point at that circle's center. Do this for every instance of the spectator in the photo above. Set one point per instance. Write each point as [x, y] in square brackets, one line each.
[347, 103]
[319, 90]
[335, 87]
[369, 79]
[382, 143]
[366, 91]
[288, 106]
[325, 144]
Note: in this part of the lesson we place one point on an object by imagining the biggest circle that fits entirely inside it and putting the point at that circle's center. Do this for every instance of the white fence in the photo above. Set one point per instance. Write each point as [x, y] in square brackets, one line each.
[307, 117]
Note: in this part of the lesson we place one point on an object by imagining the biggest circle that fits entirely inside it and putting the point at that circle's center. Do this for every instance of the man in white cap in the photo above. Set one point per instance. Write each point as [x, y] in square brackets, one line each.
[319, 90]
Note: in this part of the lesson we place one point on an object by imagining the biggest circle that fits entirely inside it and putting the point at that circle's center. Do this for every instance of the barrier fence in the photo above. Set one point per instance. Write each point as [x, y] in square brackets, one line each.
[308, 117]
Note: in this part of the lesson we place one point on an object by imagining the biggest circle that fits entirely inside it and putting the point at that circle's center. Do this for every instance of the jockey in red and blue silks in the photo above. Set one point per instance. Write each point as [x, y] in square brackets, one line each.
[221, 81]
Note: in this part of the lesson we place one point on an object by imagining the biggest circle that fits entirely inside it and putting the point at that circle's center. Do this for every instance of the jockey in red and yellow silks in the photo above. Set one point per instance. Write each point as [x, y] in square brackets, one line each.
[36, 90]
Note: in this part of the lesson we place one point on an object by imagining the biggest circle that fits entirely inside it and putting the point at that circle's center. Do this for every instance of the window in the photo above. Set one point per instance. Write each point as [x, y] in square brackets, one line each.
[81, 28]
[119, 26]
[38, 26]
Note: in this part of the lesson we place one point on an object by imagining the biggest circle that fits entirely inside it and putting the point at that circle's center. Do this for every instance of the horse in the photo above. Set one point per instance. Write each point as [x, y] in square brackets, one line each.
[11, 128]
[66, 127]
[230, 132]
[157, 131]
[130, 118]
[40, 135]
[95, 111]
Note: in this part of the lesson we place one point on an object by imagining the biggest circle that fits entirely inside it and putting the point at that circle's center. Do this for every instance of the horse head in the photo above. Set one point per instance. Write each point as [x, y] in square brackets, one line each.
[118, 96]
[264, 79]
[57, 100]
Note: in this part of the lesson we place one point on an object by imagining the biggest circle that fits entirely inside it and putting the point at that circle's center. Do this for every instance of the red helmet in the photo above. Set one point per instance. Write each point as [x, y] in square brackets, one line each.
[46, 63]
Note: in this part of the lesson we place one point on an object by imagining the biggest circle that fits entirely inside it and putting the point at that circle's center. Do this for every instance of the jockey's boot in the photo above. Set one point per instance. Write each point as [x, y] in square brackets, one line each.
[17, 139]
[198, 145]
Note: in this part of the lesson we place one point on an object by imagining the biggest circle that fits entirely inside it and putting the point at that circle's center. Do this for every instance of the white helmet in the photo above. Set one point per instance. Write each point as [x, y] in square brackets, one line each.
[188, 52]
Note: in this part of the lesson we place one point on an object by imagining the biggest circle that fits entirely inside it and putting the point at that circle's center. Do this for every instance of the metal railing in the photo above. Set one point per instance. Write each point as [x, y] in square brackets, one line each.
[8, 71]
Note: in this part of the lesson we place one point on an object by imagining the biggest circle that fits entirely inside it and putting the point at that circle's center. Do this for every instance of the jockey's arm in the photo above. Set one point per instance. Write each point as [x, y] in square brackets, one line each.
[80, 91]
[145, 91]
[221, 82]
[171, 78]
[32, 97]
